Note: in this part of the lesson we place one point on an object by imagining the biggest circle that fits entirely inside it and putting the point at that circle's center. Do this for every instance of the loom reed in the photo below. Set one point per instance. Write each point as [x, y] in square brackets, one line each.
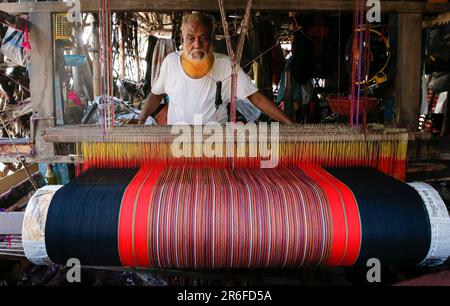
[326, 145]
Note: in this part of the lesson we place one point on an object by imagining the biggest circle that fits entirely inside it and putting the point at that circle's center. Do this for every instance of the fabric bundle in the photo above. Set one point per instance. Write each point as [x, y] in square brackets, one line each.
[181, 217]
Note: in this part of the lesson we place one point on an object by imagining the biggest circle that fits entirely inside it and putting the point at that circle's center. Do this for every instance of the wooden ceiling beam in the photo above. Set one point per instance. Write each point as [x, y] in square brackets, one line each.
[211, 5]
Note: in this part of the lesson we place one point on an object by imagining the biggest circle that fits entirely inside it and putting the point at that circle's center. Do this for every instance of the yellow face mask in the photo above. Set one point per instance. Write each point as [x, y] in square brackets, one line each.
[197, 69]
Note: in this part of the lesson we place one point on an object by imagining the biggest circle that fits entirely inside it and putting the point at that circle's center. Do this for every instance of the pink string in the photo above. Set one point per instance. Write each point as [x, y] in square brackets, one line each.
[26, 43]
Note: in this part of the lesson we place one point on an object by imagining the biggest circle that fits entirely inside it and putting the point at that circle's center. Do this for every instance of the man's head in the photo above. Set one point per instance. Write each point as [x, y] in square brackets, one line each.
[197, 33]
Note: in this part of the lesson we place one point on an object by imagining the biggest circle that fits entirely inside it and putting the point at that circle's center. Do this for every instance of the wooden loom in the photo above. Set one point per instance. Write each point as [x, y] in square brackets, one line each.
[42, 87]
[36, 149]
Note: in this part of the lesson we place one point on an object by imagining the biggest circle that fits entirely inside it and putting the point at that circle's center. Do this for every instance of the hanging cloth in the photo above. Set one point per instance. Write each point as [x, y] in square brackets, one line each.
[162, 48]
[152, 40]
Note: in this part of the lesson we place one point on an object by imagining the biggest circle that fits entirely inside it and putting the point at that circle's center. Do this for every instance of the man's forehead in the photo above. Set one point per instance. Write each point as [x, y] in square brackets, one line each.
[195, 27]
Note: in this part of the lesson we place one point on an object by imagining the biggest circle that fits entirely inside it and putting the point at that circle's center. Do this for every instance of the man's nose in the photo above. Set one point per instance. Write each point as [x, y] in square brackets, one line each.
[197, 43]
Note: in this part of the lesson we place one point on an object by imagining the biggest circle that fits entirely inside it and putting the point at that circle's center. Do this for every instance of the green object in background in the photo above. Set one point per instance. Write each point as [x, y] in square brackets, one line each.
[50, 176]
[61, 172]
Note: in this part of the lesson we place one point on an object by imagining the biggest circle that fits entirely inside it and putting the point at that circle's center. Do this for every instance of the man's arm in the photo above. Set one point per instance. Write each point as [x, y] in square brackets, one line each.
[268, 107]
[151, 104]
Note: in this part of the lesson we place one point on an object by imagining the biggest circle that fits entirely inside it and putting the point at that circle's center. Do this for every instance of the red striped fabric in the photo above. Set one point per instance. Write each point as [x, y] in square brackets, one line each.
[125, 236]
[354, 227]
[345, 214]
[236, 218]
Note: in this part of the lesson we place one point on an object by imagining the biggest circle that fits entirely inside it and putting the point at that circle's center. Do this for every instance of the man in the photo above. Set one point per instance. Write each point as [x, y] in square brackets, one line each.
[189, 78]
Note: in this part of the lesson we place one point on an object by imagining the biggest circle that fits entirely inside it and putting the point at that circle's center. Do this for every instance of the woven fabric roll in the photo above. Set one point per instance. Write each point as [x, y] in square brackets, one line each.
[83, 217]
[33, 226]
[179, 217]
[217, 218]
[395, 223]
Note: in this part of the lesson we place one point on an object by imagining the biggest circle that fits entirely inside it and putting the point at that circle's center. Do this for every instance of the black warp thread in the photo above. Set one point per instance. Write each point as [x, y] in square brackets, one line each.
[83, 218]
[394, 220]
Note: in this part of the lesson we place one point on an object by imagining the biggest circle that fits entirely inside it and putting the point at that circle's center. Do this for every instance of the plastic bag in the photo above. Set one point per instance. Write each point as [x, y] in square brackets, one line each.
[12, 47]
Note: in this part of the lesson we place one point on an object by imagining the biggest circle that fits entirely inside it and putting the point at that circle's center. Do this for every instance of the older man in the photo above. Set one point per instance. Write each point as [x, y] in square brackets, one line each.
[189, 78]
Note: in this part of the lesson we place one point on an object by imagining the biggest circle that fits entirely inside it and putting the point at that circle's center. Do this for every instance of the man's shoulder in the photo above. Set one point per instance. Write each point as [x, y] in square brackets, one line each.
[222, 61]
[172, 57]
[221, 57]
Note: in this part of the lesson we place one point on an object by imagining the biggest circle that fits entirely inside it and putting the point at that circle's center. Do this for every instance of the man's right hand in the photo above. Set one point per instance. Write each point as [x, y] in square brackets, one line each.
[151, 104]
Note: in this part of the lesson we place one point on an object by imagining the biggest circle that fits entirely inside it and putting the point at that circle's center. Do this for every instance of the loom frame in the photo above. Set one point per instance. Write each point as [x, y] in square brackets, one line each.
[41, 38]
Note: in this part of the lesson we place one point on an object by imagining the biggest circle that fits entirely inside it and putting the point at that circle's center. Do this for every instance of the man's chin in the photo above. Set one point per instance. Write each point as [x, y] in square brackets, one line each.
[197, 59]
[198, 56]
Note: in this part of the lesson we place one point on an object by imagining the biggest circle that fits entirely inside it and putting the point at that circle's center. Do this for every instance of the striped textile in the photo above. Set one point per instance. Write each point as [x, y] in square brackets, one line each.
[223, 218]
[192, 217]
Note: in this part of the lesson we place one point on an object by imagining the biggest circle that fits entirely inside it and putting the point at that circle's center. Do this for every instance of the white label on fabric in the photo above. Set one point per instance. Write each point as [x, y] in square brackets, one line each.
[439, 223]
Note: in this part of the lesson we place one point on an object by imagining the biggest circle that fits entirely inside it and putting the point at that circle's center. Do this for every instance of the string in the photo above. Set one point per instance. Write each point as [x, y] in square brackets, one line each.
[339, 54]
[360, 60]
[102, 62]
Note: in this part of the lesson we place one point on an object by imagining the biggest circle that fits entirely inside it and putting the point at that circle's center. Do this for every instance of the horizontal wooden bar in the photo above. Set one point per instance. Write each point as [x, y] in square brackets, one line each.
[14, 179]
[12, 158]
[8, 147]
[16, 141]
[211, 5]
[165, 134]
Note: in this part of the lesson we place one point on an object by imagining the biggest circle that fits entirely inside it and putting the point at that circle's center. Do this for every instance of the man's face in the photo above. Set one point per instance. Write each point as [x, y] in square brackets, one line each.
[196, 40]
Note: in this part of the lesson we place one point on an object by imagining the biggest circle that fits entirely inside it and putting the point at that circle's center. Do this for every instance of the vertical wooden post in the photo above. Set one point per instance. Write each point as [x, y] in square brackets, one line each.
[42, 79]
[96, 61]
[409, 69]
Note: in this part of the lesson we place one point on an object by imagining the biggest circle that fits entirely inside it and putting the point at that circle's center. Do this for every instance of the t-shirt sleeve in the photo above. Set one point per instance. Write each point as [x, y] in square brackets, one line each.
[245, 86]
[159, 86]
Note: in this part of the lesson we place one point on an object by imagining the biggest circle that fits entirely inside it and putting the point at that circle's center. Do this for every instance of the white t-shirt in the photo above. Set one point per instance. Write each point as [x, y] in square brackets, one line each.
[189, 97]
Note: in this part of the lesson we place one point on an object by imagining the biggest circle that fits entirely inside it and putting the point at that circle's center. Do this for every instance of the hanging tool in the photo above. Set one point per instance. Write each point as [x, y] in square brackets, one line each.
[235, 56]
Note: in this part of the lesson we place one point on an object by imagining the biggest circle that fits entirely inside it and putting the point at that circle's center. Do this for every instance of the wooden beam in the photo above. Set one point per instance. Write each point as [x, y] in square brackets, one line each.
[409, 70]
[11, 180]
[166, 133]
[11, 223]
[58, 159]
[16, 141]
[42, 80]
[211, 5]
[6, 148]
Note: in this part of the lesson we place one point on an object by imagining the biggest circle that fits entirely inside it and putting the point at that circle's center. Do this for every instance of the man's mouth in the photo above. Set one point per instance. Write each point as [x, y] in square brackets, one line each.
[198, 55]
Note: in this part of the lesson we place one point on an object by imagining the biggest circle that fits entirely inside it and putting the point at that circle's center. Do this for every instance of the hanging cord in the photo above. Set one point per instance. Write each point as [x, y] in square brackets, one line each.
[110, 60]
[232, 56]
[366, 73]
[102, 61]
[354, 57]
[235, 56]
[360, 60]
[339, 54]
[20, 158]
[106, 67]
